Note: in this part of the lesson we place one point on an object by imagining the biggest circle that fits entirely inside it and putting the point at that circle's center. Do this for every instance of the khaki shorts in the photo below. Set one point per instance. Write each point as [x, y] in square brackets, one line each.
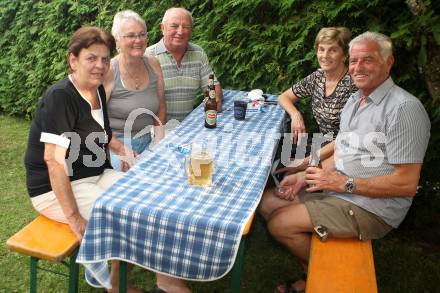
[343, 219]
[85, 191]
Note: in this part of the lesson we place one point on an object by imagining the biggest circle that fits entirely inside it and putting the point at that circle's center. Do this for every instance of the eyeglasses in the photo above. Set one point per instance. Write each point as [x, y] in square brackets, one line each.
[132, 37]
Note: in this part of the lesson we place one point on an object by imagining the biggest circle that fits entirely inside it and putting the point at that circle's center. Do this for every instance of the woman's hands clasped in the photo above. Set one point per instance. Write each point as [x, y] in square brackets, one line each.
[128, 158]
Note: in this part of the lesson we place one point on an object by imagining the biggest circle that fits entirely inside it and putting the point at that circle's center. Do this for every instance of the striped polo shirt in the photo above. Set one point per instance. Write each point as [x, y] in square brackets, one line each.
[182, 83]
[392, 127]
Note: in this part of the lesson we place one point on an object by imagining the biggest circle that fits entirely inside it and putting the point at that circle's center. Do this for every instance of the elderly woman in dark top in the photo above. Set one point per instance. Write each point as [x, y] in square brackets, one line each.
[329, 87]
[66, 163]
[134, 86]
[65, 160]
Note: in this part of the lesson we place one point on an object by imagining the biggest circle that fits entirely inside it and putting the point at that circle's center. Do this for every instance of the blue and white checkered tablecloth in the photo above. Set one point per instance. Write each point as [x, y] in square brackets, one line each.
[153, 218]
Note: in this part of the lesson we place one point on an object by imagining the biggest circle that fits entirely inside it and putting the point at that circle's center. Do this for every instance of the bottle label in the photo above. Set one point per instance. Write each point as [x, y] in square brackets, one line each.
[211, 117]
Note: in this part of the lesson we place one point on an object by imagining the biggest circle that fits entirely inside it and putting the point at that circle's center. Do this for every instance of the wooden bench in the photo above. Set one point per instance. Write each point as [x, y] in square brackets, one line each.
[341, 265]
[45, 239]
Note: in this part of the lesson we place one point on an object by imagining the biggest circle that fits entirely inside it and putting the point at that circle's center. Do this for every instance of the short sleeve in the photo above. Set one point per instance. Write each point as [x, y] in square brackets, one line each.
[57, 117]
[408, 134]
[304, 88]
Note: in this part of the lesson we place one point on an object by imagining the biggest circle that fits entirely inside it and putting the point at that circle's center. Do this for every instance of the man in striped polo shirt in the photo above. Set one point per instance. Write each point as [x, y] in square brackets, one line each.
[185, 65]
[371, 171]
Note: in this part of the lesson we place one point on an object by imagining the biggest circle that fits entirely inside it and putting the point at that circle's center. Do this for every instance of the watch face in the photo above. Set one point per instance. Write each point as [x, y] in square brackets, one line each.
[349, 185]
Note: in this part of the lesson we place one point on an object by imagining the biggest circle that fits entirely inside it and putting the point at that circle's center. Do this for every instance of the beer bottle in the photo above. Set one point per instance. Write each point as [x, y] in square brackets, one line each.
[211, 87]
[314, 162]
[210, 104]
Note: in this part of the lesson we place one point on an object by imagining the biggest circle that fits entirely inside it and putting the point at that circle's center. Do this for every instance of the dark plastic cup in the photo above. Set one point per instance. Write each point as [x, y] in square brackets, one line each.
[240, 107]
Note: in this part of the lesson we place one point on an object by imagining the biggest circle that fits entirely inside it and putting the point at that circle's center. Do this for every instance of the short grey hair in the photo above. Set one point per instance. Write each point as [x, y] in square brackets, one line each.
[121, 17]
[169, 10]
[384, 42]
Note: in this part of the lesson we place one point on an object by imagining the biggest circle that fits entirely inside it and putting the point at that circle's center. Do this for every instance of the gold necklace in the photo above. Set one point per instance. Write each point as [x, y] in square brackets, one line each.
[135, 79]
[362, 100]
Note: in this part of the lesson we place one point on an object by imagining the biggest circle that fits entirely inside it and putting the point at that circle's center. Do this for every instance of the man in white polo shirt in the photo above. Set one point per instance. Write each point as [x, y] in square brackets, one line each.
[185, 65]
[370, 172]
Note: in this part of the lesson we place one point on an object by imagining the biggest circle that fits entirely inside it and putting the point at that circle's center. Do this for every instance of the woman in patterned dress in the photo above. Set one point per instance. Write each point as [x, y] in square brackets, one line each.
[329, 87]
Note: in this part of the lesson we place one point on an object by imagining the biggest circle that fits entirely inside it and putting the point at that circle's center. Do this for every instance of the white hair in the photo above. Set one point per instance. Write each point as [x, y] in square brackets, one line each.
[121, 17]
[384, 42]
[169, 10]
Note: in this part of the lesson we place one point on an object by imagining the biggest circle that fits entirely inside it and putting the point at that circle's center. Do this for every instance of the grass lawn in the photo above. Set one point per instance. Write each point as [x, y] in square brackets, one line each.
[406, 260]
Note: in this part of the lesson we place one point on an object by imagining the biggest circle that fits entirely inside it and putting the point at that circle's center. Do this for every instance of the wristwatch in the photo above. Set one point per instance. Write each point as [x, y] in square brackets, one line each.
[349, 185]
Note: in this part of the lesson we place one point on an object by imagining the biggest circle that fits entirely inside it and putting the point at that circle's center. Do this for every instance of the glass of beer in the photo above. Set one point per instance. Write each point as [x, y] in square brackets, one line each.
[199, 167]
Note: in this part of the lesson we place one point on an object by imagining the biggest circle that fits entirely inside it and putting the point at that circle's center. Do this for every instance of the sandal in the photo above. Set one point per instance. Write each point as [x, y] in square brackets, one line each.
[289, 288]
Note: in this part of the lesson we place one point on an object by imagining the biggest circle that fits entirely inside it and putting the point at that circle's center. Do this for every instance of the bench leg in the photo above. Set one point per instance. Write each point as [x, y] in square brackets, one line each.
[122, 277]
[33, 275]
[236, 271]
[73, 273]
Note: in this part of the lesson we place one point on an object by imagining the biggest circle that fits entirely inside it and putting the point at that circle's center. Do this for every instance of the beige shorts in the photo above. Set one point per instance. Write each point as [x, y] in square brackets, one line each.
[85, 190]
[343, 219]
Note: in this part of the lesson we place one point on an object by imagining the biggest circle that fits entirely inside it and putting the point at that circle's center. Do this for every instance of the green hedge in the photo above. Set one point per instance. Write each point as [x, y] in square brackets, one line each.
[264, 44]
[251, 43]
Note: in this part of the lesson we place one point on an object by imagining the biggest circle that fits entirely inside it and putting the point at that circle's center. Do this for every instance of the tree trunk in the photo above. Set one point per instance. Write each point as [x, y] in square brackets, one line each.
[430, 70]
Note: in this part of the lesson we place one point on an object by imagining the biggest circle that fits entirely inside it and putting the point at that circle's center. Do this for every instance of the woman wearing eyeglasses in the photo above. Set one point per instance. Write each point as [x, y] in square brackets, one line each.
[134, 87]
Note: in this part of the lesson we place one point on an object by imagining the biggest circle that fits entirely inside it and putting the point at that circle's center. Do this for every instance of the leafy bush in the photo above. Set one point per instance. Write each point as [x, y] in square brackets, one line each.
[251, 43]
